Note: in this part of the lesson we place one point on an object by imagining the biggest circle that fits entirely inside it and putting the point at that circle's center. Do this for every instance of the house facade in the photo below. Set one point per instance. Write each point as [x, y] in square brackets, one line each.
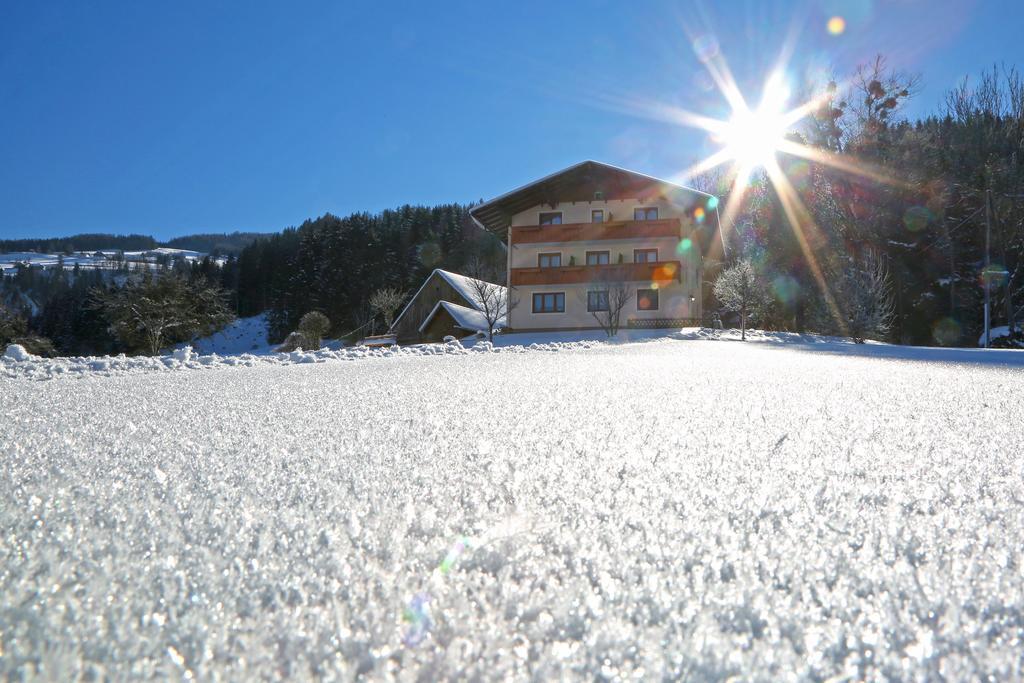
[575, 237]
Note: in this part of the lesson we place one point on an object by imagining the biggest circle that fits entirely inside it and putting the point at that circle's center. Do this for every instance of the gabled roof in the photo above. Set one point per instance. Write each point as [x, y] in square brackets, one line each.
[578, 182]
[468, 319]
[465, 286]
[460, 283]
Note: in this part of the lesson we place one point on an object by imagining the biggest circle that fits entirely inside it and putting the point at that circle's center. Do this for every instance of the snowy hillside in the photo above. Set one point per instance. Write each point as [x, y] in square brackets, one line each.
[244, 335]
[670, 509]
[105, 259]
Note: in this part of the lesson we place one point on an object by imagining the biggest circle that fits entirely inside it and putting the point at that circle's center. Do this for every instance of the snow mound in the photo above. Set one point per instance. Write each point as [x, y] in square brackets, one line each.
[17, 353]
[32, 367]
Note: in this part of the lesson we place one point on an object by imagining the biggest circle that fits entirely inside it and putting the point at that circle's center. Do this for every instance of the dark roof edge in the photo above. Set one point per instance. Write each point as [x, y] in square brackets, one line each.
[549, 176]
[527, 186]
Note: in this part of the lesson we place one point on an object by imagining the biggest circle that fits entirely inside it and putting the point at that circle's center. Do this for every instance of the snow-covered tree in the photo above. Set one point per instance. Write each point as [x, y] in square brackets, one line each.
[151, 312]
[865, 298]
[740, 290]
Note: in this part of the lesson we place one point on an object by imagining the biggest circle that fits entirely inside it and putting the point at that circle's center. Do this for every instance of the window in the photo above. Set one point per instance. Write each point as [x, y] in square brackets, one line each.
[646, 214]
[553, 302]
[551, 218]
[597, 216]
[646, 299]
[597, 258]
[597, 300]
[645, 256]
[549, 260]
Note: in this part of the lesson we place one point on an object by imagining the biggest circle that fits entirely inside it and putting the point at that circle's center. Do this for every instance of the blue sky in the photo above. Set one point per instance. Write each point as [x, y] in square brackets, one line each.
[171, 118]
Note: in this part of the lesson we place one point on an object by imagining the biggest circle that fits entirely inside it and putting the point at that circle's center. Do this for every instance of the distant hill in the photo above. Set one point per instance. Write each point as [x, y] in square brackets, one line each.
[215, 243]
[84, 242]
[210, 243]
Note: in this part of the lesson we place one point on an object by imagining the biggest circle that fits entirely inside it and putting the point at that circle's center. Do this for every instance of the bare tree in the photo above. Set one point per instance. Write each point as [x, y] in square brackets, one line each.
[606, 298]
[386, 302]
[364, 319]
[739, 289]
[494, 301]
[876, 97]
[866, 298]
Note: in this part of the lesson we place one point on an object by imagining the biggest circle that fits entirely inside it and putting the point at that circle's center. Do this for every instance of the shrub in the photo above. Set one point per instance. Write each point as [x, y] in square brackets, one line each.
[313, 326]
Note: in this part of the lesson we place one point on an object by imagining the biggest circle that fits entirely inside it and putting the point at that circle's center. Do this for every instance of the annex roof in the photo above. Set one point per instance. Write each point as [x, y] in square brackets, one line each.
[468, 319]
[462, 284]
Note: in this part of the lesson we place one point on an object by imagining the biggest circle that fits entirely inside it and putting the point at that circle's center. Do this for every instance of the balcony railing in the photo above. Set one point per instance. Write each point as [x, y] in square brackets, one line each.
[660, 272]
[616, 230]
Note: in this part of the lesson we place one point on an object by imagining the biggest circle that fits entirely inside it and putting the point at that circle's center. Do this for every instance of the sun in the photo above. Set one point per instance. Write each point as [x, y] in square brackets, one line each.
[753, 136]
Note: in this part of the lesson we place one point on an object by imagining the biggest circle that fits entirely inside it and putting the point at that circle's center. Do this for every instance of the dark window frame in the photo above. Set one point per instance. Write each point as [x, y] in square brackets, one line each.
[549, 254]
[607, 254]
[650, 293]
[646, 211]
[600, 211]
[636, 252]
[540, 218]
[591, 307]
[556, 298]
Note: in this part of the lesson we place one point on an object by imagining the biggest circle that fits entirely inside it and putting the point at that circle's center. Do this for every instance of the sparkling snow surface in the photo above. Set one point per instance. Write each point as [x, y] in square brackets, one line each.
[660, 510]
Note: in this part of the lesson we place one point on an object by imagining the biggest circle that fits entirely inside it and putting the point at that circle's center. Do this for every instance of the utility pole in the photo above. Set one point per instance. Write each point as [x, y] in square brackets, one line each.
[987, 274]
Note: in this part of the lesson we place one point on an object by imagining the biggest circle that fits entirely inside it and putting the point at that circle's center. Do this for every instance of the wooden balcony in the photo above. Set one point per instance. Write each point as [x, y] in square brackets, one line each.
[615, 230]
[661, 272]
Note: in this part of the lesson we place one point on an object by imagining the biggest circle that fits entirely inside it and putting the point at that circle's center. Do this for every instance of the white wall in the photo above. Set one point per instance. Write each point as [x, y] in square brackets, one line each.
[579, 212]
[673, 302]
[674, 297]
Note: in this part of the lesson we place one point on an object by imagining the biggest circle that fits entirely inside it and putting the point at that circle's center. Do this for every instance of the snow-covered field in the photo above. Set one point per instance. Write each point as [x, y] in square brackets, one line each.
[671, 509]
[102, 260]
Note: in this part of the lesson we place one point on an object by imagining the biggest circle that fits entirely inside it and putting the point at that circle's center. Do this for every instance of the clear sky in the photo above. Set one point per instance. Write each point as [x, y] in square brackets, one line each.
[175, 117]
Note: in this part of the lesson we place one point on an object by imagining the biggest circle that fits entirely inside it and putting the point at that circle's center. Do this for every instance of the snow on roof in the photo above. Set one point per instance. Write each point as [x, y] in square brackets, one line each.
[465, 286]
[465, 318]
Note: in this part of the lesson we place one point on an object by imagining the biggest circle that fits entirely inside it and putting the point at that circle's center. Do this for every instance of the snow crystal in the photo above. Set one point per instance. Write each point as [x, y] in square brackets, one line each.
[661, 510]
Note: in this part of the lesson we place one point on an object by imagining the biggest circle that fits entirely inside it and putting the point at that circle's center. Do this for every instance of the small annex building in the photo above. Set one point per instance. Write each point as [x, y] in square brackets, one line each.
[446, 304]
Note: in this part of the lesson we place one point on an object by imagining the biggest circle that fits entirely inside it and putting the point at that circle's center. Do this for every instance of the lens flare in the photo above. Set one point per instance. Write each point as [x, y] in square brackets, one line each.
[664, 274]
[456, 551]
[946, 332]
[916, 218]
[785, 289]
[417, 615]
[706, 48]
[836, 25]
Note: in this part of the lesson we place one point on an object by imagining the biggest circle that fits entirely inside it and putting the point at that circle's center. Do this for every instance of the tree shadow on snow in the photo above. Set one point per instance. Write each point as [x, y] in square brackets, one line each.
[993, 357]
